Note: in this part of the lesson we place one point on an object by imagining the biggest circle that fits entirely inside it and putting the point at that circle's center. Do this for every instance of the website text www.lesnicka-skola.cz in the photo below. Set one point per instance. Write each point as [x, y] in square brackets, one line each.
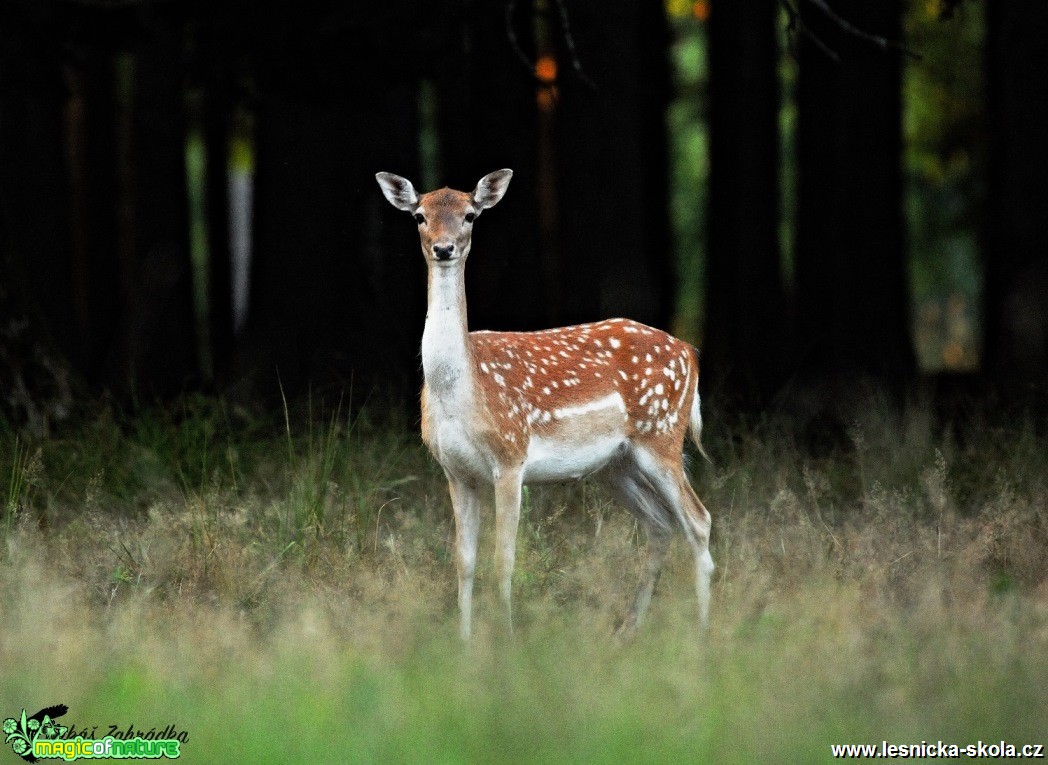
[939, 749]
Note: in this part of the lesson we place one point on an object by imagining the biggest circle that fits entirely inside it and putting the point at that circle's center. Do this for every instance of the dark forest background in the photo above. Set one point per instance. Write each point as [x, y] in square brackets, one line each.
[826, 197]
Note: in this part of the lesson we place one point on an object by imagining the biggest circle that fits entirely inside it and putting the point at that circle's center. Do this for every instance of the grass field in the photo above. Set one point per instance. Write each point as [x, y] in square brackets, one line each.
[283, 591]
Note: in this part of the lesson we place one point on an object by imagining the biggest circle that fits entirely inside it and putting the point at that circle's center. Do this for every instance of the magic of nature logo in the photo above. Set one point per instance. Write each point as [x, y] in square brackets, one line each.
[41, 736]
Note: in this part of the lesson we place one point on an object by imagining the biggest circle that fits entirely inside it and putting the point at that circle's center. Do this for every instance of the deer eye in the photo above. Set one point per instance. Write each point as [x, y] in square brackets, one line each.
[470, 217]
[420, 218]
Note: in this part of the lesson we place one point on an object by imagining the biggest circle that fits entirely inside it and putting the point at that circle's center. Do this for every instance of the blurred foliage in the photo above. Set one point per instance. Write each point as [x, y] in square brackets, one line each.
[943, 155]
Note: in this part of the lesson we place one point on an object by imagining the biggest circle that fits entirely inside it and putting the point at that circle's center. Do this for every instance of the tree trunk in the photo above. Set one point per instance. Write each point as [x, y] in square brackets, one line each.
[611, 164]
[155, 352]
[488, 121]
[35, 237]
[1016, 239]
[37, 315]
[852, 296]
[92, 146]
[218, 104]
[337, 295]
[745, 338]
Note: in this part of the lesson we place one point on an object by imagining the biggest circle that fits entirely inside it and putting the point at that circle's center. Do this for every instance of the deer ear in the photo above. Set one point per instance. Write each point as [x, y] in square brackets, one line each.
[399, 191]
[491, 188]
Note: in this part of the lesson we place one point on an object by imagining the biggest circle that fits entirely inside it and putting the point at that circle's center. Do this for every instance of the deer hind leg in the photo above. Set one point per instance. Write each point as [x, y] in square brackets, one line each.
[644, 502]
[465, 500]
[507, 519]
[691, 517]
[697, 518]
[658, 548]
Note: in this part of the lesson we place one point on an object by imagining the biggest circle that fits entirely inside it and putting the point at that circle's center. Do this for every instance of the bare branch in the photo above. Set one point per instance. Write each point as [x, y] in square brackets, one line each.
[881, 42]
[511, 35]
[795, 24]
[565, 31]
[792, 17]
[569, 42]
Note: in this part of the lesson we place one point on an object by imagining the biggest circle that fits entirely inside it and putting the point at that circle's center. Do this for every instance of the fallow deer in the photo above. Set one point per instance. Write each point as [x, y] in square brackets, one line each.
[500, 410]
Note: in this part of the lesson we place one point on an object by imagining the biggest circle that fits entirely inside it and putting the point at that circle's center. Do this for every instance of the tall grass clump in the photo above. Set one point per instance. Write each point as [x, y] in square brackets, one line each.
[340, 480]
[24, 470]
[282, 589]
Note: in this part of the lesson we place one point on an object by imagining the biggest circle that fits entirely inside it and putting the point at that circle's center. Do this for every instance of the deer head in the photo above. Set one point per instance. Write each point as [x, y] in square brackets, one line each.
[445, 217]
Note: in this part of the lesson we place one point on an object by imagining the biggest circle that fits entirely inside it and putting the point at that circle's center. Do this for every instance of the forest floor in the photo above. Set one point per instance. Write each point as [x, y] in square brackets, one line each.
[284, 591]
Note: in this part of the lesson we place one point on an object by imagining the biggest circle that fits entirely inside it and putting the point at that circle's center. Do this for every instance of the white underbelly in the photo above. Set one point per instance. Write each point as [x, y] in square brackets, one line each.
[580, 440]
[550, 460]
[574, 441]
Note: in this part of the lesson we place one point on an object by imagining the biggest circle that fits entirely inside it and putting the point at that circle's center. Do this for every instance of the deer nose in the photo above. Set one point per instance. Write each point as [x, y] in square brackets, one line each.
[443, 251]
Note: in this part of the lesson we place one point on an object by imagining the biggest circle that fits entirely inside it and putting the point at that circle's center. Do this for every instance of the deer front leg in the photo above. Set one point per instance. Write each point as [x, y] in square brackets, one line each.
[466, 503]
[507, 518]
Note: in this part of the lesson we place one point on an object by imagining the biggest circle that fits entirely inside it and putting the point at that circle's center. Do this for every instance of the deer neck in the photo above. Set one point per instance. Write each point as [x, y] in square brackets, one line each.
[446, 360]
